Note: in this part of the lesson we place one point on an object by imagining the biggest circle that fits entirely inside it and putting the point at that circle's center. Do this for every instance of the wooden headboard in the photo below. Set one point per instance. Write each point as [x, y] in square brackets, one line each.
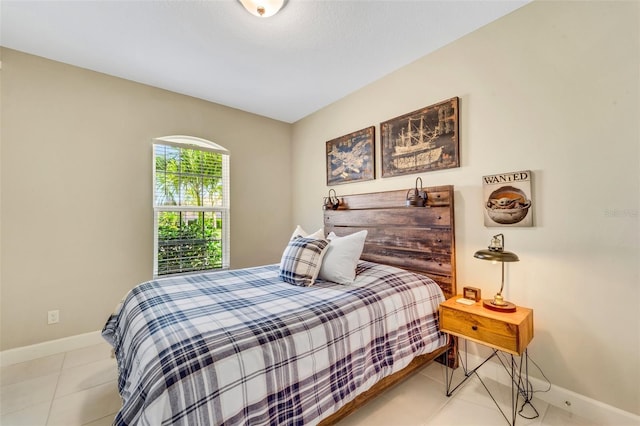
[419, 239]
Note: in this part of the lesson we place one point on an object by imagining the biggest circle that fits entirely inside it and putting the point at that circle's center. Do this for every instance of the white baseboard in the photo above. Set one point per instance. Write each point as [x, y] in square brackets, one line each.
[52, 347]
[575, 403]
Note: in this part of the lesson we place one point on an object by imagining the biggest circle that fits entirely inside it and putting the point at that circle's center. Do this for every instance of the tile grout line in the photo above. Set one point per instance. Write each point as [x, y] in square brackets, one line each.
[427, 421]
[111, 416]
[433, 415]
[32, 404]
[53, 397]
[115, 382]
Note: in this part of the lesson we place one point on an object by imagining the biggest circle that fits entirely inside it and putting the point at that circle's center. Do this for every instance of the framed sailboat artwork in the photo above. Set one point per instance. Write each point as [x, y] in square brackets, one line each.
[421, 141]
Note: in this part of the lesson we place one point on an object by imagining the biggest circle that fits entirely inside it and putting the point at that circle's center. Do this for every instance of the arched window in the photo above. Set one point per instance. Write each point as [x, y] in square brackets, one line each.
[190, 205]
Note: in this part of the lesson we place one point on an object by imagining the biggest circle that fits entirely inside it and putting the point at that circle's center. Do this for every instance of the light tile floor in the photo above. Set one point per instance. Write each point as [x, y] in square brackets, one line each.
[80, 388]
[73, 388]
[421, 401]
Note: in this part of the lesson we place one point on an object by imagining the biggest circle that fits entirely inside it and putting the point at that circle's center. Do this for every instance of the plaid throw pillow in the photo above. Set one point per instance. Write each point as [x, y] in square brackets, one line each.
[301, 260]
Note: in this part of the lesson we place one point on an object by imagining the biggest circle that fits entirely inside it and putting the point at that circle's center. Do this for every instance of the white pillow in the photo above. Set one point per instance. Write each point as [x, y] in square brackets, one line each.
[299, 232]
[340, 260]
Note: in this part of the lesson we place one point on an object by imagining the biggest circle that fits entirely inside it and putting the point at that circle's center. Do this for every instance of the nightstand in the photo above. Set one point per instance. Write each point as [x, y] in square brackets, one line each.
[508, 332]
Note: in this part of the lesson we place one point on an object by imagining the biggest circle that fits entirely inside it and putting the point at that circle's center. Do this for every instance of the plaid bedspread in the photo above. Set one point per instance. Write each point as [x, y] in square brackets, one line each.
[241, 347]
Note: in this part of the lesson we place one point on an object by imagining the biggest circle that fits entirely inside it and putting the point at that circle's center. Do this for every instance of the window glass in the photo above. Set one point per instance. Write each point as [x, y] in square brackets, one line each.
[191, 208]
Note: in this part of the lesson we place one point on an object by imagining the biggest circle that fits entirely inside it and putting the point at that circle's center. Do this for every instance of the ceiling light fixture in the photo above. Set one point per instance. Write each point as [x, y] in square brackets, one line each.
[262, 8]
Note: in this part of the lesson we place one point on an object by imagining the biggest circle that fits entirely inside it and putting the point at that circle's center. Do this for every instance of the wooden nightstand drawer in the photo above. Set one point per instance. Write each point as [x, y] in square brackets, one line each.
[508, 332]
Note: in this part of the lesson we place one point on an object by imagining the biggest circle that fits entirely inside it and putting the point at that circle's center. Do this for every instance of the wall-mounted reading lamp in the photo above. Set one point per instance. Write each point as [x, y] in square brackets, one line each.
[332, 202]
[417, 197]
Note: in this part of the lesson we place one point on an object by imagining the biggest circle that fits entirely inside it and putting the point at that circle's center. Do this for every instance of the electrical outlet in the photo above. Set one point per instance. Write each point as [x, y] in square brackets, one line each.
[53, 317]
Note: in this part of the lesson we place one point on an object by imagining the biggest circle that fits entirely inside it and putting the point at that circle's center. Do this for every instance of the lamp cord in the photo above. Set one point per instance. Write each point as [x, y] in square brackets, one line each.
[525, 388]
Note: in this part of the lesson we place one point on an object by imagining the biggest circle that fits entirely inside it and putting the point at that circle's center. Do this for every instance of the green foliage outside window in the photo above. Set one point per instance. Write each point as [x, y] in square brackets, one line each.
[189, 241]
[187, 177]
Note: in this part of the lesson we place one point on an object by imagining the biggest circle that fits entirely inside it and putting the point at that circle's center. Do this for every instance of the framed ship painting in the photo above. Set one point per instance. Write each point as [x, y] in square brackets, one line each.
[507, 199]
[421, 141]
[351, 158]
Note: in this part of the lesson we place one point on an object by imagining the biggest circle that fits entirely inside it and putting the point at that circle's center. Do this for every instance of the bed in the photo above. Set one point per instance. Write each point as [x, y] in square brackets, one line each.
[245, 347]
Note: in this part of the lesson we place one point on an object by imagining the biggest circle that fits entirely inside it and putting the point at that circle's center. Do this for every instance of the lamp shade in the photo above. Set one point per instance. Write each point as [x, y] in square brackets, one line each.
[497, 256]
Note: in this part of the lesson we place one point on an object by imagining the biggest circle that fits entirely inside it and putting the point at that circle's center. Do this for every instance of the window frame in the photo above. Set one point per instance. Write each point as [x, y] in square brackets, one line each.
[193, 143]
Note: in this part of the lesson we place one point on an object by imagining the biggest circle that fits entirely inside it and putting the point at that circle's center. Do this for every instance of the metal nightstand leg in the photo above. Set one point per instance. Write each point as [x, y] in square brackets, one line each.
[467, 373]
[517, 387]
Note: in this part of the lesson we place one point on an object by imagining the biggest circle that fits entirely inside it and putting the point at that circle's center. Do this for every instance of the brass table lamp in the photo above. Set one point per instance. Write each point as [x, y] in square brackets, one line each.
[496, 253]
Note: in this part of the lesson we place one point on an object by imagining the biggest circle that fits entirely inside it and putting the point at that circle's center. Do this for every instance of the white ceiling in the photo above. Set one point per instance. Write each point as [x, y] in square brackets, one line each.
[286, 67]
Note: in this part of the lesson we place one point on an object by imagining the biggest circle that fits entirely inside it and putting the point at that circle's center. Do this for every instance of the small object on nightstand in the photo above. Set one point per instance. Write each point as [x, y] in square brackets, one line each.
[465, 301]
[472, 293]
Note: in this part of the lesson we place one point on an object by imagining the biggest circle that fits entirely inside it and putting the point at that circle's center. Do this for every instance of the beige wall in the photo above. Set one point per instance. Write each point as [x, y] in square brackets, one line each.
[77, 228]
[554, 88]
